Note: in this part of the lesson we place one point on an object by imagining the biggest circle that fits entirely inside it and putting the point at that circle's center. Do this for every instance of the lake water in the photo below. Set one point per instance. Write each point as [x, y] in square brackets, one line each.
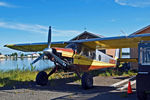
[10, 64]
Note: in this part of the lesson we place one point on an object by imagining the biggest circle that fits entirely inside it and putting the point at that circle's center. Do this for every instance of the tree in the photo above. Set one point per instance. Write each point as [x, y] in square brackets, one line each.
[22, 55]
[14, 54]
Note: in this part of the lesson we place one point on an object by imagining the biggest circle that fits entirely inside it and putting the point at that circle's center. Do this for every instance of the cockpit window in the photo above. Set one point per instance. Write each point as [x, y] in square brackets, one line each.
[72, 46]
[82, 50]
[92, 55]
[86, 52]
[79, 48]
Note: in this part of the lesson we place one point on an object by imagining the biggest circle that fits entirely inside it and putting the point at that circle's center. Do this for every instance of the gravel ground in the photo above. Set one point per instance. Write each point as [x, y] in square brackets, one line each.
[67, 89]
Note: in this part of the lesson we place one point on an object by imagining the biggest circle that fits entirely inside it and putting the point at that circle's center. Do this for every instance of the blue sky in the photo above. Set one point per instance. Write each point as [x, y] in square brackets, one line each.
[26, 21]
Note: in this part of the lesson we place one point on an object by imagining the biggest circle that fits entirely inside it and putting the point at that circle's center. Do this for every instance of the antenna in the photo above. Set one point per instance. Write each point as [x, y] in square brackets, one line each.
[85, 28]
[124, 33]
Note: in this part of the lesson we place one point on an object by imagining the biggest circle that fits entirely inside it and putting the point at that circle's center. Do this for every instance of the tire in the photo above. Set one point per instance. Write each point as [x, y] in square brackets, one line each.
[87, 81]
[42, 78]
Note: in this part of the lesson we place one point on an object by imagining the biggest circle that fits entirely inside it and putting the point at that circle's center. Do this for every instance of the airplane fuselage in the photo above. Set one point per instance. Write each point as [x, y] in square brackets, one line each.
[85, 59]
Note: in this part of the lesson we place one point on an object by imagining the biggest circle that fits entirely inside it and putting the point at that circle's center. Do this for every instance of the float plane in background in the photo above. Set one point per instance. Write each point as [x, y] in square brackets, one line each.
[79, 55]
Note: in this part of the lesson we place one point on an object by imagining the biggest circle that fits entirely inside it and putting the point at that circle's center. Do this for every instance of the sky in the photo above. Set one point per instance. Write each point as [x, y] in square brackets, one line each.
[27, 21]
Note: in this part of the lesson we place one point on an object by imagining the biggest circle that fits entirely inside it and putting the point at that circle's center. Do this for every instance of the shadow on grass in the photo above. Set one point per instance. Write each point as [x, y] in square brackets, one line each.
[77, 93]
[69, 85]
[57, 85]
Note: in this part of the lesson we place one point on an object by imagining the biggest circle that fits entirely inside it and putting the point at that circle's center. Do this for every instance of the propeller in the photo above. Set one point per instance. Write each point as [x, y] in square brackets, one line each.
[48, 51]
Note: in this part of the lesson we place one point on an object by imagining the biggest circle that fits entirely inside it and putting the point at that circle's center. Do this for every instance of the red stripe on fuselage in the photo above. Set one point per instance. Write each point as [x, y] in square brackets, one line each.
[65, 49]
[89, 67]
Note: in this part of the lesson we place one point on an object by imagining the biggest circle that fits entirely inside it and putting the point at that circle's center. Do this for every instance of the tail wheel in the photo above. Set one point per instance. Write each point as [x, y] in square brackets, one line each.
[42, 78]
[87, 81]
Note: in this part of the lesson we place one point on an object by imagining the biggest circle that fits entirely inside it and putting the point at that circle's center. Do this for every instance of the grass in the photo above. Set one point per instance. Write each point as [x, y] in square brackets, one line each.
[9, 78]
[12, 76]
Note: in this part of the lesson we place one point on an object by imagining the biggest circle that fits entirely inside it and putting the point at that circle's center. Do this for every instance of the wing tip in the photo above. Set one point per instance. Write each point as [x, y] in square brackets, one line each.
[8, 45]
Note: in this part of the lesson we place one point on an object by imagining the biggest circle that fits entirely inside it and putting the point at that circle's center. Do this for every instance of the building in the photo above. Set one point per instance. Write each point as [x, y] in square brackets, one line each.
[134, 51]
[88, 35]
[2, 56]
[35, 55]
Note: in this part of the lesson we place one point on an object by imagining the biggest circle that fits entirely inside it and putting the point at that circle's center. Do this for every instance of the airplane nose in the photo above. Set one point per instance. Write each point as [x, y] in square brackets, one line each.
[47, 51]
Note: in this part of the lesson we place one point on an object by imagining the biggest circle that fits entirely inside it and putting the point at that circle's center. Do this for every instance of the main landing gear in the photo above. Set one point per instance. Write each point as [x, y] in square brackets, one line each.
[86, 79]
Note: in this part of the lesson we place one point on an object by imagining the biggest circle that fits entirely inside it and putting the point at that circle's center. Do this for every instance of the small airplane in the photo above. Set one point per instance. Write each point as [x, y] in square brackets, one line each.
[79, 55]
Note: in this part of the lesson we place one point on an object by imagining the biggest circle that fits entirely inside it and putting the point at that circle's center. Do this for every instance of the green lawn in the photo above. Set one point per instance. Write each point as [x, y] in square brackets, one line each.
[9, 78]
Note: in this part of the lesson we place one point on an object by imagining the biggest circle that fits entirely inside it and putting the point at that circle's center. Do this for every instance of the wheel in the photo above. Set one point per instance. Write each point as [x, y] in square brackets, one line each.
[87, 81]
[42, 78]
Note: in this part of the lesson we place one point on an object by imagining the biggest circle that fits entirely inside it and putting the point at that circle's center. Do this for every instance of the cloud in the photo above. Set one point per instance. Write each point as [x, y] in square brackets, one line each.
[134, 3]
[36, 28]
[65, 32]
[24, 27]
[112, 20]
[4, 4]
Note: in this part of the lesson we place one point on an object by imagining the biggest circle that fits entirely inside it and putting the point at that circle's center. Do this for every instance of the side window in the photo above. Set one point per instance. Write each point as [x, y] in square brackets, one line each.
[104, 51]
[86, 52]
[99, 57]
[79, 49]
[92, 55]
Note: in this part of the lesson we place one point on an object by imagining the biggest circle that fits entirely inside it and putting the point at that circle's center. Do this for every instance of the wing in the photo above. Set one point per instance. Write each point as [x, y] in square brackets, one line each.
[34, 47]
[96, 43]
[130, 41]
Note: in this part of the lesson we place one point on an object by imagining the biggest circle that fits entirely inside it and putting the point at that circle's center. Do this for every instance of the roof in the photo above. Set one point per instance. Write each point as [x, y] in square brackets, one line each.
[86, 35]
[142, 30]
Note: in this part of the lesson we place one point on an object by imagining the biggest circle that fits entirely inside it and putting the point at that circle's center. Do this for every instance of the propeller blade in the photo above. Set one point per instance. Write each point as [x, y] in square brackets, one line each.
[49, 37]
[37, 59]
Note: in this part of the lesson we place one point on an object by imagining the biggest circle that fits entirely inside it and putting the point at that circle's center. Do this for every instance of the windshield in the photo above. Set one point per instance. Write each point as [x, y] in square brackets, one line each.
[72, 46]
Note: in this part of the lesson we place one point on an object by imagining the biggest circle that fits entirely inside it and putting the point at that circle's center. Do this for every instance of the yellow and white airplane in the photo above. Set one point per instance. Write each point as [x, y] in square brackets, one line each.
[79, 55]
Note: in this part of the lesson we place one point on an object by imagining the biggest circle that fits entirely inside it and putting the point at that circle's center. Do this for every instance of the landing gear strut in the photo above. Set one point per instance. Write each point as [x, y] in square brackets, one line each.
[87, 81]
